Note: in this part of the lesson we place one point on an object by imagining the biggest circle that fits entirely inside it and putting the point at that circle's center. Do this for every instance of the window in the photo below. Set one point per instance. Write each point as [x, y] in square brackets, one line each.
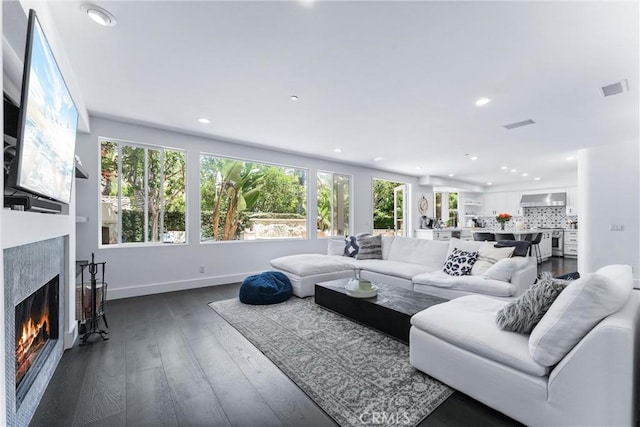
[243, 200]
[142, 193]
[446, 208]
[333, 204]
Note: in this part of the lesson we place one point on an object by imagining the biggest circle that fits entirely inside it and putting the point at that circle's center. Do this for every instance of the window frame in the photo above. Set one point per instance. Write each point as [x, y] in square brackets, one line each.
[158, 147]
[309, 223]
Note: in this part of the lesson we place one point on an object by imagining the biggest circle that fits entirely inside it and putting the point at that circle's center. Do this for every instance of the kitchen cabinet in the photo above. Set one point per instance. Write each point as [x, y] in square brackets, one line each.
[442, 235]
[424, 233]
[572, 201]
[571, 243]
[493, 203]
[504, 201]
[512, 203]
[545, 245]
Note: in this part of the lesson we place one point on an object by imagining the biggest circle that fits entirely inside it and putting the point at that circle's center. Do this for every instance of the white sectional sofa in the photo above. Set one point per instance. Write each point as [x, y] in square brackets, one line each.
[406, 262]
[577, 367]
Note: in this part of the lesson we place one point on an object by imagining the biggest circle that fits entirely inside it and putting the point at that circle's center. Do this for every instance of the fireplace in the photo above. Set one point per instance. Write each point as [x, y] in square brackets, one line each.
[36, 329]
[35, 280]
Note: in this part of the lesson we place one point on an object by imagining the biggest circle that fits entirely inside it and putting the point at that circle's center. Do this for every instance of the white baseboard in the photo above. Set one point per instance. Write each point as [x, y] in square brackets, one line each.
[159, 288]
[71, 336]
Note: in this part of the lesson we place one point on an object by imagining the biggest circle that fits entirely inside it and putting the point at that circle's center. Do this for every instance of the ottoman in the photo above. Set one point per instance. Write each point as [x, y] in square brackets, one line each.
[270, 287]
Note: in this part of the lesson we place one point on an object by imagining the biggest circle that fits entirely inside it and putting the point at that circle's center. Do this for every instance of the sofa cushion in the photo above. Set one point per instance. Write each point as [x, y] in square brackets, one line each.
[459, 263]
[488, 255]
[335, 247]
[463, 245]
[582, 304]
[430, 253]
[469, 323]
[524, 313]
[387, 241]
[309, 264]
[504, 269]
[478, 284]
[392, 268]
[369, 247]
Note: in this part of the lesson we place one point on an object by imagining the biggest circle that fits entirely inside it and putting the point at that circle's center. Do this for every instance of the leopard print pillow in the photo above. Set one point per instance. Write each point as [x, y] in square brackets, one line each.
[459, 263]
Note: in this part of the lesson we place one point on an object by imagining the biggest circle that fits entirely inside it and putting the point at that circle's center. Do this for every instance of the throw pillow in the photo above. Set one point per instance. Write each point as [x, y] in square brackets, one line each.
[489, 255]
[369, 247]
[350, 246]
[580, 307]
[459, 263]
[503, 270]
[521, 246]
[524, 313]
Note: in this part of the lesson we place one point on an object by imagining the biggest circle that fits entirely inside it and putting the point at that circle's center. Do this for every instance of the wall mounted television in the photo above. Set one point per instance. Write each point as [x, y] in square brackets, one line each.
[44, 165]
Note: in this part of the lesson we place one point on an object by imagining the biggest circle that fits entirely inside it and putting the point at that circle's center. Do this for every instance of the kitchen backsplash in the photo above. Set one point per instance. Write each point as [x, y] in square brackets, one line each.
[553, 217]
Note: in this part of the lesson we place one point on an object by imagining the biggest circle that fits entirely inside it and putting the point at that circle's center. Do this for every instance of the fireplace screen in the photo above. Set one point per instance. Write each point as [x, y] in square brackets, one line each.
[36, 327]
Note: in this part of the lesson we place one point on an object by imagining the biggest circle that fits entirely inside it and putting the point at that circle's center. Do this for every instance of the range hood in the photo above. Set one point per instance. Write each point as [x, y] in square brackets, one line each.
[543, 200]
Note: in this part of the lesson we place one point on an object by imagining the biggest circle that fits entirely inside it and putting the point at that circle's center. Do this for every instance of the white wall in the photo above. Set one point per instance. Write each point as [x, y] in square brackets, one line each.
[144, 270]
[609, 182]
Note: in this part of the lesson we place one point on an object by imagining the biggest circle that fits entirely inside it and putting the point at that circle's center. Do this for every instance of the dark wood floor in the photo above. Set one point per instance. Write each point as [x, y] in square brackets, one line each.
[172, 361]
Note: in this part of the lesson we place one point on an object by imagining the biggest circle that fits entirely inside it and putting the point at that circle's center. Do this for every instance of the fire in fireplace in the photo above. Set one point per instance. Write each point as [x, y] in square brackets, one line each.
[36, 328]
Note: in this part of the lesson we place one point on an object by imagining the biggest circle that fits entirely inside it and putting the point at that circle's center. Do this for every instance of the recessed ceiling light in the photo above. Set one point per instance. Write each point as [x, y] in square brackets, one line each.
[474, 157]
[482, 101]
[537, 178]
[514, 170]
[504, 168]
[204, 120]
[418, 168]
[525, 174]
[377, 159]
[451, 174]
[570, 158]
[99, 15]
[489, 183]
[293, 98]
[337, 150]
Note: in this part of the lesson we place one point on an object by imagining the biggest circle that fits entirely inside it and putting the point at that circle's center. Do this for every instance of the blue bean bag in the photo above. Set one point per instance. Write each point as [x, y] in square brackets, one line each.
[270, 287]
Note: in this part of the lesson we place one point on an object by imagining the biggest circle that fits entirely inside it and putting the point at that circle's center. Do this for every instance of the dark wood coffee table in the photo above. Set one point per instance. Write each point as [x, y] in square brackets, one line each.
[389, 312]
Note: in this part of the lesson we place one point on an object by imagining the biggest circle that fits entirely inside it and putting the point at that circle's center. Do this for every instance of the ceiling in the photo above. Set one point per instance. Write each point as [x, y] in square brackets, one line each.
[396, 80]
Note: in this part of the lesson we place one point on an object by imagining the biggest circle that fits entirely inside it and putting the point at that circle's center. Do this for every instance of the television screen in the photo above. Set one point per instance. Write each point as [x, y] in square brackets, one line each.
[47, 124]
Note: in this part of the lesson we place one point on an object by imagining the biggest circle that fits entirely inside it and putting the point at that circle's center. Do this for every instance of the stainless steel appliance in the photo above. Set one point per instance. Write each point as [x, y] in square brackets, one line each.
[557, 241]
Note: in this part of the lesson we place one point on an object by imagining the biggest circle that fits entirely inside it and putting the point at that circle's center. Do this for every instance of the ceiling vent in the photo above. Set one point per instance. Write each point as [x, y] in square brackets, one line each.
[519, 124]
[615, 88]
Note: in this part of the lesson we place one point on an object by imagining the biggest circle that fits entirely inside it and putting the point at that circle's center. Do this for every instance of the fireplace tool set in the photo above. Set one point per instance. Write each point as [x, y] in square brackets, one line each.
[93, 301]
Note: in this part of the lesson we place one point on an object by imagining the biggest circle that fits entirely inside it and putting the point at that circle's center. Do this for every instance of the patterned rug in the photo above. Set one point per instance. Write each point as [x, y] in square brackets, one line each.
[355, 374]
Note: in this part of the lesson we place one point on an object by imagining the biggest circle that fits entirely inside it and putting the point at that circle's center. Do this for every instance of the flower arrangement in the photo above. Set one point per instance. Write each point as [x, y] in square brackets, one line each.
[503, 217]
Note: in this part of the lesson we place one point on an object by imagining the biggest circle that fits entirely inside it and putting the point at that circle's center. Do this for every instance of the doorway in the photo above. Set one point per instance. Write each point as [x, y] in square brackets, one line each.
[389, 207]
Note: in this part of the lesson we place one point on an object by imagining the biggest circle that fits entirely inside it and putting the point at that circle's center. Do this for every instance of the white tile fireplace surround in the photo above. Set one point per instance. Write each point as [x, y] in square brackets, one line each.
[26, 269]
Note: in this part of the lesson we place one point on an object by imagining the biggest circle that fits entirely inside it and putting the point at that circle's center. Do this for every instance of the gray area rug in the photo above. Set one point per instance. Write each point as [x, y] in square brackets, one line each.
[355, 374]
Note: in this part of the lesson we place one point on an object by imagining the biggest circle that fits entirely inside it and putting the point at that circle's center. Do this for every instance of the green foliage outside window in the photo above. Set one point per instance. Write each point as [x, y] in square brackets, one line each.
[383, 204]
[235, 192]
[151, 180]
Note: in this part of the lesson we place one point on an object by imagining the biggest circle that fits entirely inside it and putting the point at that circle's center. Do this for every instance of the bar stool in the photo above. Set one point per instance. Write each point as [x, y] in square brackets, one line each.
[505, 236]
[536, 238]
[484, 237]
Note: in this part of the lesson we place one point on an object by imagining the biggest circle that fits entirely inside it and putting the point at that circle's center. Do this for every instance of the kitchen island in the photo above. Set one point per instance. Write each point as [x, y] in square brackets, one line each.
[467, 234]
